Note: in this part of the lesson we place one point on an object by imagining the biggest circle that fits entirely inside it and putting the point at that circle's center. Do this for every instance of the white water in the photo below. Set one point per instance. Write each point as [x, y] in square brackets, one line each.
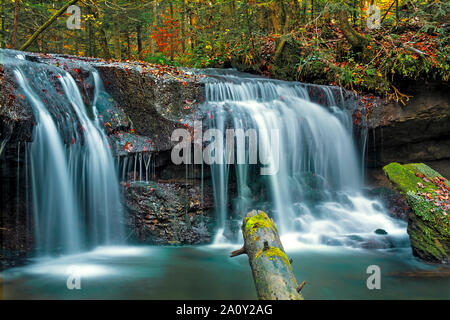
[315, 197]
[75, 190]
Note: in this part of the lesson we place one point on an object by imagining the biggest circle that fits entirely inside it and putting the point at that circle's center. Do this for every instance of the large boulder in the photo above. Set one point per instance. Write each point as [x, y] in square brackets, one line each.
[428, 195]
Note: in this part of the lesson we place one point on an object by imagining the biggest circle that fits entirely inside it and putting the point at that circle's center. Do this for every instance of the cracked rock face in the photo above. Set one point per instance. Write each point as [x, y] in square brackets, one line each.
[417, 132]
[169, 212]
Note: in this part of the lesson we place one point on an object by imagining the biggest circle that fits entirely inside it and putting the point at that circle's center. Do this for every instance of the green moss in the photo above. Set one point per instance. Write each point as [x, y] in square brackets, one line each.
[428, 228]
[424, 169]
[404, 178]
[258, 221]
[421, 207]
[274, 253]
[427, 242]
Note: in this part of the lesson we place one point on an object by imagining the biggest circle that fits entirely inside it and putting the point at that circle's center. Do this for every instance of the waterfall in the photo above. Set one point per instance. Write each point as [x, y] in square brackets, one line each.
[315, 194]
[75, 189]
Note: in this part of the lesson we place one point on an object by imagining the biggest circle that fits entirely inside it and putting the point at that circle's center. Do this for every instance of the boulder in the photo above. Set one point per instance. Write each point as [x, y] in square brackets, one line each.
[428, 194]
[380, 232]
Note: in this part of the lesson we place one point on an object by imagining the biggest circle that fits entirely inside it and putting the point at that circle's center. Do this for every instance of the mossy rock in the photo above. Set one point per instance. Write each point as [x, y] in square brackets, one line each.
[428, 223]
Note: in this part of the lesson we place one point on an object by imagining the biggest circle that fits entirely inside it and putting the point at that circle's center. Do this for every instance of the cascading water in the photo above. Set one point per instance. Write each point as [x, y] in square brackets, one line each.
[75, 190]
[315, 193]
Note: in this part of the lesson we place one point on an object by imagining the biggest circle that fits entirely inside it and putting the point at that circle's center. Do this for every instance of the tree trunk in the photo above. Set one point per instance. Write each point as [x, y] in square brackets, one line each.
[91, 26]
[2, 21]
[275, 16]
[47, 24]
[103, 41]
[396, 13]
[305, 8]
[153, 28]
[272, 271]
[127, 36]
[183, 26]
[89, 42]
[191, 29]
[15, 24]
[60, 36]
[139, 41]
[172, 48]
[287, 17]
[357, 41]
[116, 31]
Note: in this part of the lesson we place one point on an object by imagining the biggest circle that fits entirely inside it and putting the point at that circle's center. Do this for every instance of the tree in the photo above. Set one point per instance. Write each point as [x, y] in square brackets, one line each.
[47, 24]
[117, 51]
[15, 24]
[357, 41]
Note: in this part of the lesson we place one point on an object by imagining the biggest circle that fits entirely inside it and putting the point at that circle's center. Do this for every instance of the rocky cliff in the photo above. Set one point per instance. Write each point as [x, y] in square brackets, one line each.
[417, 132]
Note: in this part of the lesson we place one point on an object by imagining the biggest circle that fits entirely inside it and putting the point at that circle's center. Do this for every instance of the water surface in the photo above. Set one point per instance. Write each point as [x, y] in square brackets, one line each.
[206, 272]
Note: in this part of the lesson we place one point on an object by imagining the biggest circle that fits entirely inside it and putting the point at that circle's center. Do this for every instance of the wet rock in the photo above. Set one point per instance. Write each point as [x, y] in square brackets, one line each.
[330, 241]
[384, 243]
[155, 104]
[172, 171]
[380, 232]
[313, 187]
[126, 143]
[169, 212]
[16, 116]
[392, 200]
[16, 220]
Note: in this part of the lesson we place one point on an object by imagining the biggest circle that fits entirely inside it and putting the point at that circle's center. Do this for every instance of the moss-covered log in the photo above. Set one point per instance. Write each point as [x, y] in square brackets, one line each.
[272, 271]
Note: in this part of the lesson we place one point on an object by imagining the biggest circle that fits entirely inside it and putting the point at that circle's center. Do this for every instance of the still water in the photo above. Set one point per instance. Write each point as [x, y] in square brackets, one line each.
[206, 272]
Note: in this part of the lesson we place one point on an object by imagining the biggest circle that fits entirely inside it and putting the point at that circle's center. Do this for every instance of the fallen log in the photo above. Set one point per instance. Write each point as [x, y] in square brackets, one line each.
[272, 271]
